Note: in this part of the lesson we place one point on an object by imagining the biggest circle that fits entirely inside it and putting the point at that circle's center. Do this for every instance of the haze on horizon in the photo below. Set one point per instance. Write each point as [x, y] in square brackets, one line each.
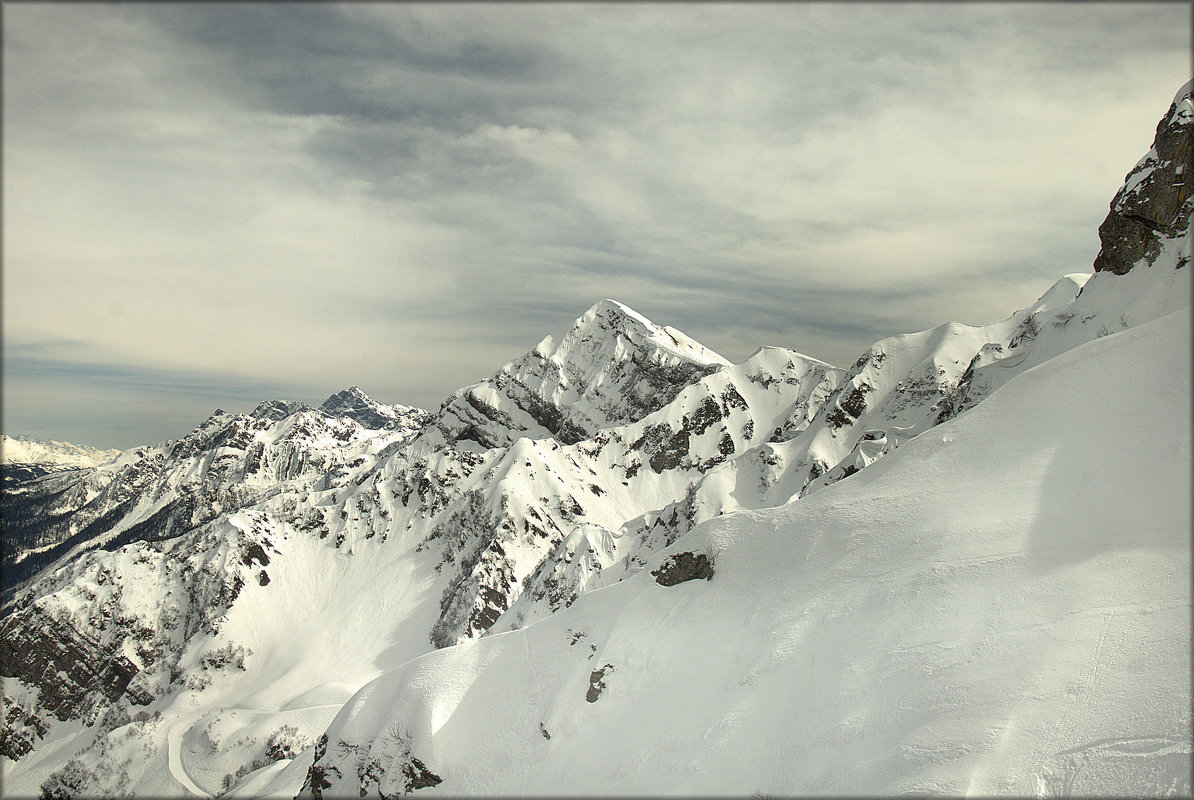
[209, 205]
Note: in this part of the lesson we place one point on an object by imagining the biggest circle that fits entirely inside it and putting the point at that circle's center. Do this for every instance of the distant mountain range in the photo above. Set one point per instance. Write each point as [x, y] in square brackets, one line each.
[27, 450]
[623, 564]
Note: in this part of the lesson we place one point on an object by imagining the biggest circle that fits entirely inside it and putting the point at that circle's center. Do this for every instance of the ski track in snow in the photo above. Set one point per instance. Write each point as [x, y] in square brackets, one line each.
[174, 756]
[526, 777]
[1057, 778]
[176, 733]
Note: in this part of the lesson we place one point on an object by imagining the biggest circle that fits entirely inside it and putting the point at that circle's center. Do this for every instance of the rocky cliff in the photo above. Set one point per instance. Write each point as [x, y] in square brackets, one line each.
[1155, 203]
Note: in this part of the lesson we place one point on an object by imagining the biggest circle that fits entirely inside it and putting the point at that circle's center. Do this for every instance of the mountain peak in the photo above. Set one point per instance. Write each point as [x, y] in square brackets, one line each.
[278, 409]
[608, 318]
[611, 367]
[613, 309]
[1154, 205]
[352, 396]
[355, 404]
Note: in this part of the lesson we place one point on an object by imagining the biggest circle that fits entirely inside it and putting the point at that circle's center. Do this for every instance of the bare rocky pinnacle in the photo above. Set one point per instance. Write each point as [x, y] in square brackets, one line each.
[1155, 202]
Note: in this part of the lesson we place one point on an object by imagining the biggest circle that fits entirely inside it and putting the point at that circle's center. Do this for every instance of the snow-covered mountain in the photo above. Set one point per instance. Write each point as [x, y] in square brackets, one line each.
[993, 609]
[229, 462]
[27, 450]
[622, 564]
[356, 405]
[612, 367]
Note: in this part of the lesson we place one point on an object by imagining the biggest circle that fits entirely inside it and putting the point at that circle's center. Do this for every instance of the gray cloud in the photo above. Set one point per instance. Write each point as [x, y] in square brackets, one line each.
[50, 395]
[405, 196]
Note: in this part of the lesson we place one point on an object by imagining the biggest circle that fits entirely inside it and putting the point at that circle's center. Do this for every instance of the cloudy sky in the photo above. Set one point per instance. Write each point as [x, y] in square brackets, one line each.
[213, 204]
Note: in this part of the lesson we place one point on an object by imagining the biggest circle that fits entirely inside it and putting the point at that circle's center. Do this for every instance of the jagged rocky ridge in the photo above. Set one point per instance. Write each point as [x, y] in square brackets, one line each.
[569, 469]
[230, 461]
[612, 367]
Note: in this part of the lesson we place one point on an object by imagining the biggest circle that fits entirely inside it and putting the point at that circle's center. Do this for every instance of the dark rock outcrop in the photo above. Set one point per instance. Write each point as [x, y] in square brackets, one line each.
[20, 730]
[69, 668]
[417, 776]
[683, 567]
[358, 406]
[597, 683]
[1155, 202]
[347, 759]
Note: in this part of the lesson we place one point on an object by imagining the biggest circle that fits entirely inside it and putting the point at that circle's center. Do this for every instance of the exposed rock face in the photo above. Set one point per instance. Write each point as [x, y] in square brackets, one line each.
[683, 567]
[396, 771]
[76, 676]
[66, 664]
[597, 683]
[89, 643]
[21, 729]
[356, 405]
[417, 776]
[612, 367]
[1155, 203]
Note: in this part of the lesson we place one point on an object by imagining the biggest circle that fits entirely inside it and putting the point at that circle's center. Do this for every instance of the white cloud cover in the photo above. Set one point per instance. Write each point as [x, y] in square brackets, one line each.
[404, 196]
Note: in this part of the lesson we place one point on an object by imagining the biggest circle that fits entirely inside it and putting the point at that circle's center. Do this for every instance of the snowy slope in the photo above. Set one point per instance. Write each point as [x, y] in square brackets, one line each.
[336, 614]
[1130, 735]
[990, 610]
[443, 540]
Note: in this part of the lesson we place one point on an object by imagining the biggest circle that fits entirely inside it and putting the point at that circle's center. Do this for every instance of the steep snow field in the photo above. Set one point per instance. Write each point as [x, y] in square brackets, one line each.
[1002, 606]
